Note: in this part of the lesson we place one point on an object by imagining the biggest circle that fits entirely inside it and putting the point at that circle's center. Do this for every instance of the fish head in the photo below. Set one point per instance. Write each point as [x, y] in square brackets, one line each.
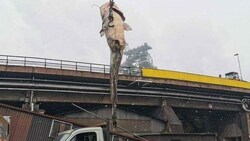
[104, 10]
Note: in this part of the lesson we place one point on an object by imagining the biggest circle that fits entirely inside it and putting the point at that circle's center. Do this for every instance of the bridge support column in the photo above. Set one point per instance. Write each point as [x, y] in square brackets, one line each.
[171, 120]
[245, 126]
[30, 103]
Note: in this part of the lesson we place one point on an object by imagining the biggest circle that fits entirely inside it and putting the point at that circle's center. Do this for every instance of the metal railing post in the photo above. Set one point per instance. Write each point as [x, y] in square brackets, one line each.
[104, 68]
[25, 61]
[90, 68]
[7, 60]
[45, 63]
[61, 64]
[76, 66]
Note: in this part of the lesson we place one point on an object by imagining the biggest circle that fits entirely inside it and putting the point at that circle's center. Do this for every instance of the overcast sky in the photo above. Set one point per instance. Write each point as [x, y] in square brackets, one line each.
[196, 36]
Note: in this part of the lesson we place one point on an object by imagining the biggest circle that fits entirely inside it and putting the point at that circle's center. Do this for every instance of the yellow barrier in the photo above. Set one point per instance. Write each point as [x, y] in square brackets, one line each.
[166, 74]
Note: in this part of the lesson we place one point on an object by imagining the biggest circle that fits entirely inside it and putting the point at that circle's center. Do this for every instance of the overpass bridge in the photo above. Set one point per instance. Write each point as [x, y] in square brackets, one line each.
[147, 103]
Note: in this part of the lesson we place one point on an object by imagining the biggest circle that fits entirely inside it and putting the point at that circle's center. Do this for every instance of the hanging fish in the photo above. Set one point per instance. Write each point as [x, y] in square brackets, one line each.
[113, 27]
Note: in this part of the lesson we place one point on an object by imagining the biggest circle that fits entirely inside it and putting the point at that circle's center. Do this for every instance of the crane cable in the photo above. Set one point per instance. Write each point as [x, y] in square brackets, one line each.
[111, 17]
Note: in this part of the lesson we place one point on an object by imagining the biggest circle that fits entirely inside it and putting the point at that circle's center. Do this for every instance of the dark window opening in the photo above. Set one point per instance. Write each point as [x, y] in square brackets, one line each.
[58, 127]
[232, 139]
[85, 137]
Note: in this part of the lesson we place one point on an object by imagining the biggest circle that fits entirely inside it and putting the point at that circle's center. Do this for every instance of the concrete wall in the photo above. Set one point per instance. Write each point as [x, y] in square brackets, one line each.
[230, 128]
[129, 120]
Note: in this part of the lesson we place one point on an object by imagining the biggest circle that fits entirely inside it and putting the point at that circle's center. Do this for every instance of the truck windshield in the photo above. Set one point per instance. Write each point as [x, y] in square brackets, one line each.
[61, 137]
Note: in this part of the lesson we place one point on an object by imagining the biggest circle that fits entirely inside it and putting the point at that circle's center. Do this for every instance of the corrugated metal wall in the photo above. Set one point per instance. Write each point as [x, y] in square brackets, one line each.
[19, 123]
[28, 126]
[127, 119]
[39, 129]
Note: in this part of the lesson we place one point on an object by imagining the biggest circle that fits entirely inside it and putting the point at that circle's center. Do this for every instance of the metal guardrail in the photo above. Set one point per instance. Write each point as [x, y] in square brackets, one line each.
[10, 60]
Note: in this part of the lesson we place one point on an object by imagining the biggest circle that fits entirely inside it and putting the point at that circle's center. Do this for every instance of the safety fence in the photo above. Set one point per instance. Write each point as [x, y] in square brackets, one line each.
[10, 60]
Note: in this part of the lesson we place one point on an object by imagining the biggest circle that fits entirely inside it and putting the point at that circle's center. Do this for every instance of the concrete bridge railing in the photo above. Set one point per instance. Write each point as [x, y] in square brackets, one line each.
[10, 60]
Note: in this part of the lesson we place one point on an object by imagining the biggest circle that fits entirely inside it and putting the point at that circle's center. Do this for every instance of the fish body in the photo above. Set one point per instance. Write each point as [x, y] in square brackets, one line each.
[113, 27]
[113, 30]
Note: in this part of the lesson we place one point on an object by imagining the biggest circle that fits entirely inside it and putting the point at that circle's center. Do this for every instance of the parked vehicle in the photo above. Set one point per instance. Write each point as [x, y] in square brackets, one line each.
[92, 134]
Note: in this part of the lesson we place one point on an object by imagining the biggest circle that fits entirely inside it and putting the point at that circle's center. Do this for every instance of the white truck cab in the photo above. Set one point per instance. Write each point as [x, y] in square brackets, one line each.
[82, 134]
[93, 134]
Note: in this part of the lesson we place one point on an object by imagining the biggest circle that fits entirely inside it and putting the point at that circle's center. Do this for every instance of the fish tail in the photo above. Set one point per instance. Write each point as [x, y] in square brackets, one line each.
[116, 57]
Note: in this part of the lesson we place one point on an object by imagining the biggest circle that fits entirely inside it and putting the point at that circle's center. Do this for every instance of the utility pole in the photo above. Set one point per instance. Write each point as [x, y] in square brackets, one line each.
[238, 58]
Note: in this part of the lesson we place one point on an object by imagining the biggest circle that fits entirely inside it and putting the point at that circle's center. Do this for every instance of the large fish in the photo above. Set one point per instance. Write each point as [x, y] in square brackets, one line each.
[113, 26]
